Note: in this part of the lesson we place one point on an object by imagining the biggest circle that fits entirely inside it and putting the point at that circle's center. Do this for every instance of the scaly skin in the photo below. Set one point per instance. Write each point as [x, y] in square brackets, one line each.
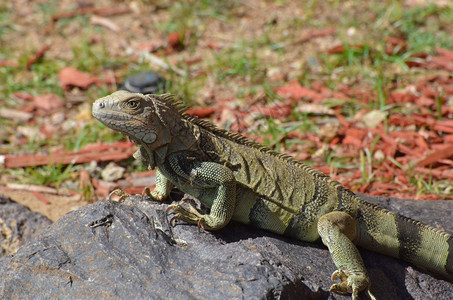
[244, 181]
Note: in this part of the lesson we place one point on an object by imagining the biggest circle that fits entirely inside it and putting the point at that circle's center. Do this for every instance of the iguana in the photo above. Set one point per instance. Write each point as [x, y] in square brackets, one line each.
[241, 180]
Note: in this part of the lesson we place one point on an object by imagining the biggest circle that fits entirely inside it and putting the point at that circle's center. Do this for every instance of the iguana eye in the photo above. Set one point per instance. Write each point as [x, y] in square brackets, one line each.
[132, 104]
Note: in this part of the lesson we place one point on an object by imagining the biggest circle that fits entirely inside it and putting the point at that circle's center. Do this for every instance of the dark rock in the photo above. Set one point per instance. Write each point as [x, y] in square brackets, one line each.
[128, 250]
[17, 225]
[433, 212]
[144, 82]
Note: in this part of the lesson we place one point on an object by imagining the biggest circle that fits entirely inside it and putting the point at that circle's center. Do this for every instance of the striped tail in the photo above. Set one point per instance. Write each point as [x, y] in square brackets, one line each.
[389, 233]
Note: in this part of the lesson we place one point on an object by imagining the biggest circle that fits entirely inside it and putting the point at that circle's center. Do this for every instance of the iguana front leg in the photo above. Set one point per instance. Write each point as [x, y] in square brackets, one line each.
[337, 230]
[208, 180]
[162, 189]
[163, 185]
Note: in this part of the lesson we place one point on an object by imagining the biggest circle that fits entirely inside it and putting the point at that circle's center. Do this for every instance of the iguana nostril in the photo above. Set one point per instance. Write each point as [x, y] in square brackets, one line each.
[101, 105]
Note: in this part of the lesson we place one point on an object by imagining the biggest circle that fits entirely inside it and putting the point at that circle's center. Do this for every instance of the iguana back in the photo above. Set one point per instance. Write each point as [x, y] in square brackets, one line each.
[279, 193]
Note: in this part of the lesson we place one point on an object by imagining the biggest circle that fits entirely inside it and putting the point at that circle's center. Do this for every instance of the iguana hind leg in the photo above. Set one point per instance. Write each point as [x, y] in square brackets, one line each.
[337, 230]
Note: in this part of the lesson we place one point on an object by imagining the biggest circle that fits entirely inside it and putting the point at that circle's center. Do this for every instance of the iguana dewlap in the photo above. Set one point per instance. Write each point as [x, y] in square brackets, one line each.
[244, 181]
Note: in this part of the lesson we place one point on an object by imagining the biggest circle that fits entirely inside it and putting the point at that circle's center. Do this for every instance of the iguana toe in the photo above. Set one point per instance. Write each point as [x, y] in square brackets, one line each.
[147, 192]
[352, 283]
[189, 215]
[202, 225]
[122, 195]
[153, 194]
[339, 274]
[192, 216]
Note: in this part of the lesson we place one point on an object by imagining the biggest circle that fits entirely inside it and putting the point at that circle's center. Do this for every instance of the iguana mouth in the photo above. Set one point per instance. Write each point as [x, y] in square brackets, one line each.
[132, 140]
[117, 116]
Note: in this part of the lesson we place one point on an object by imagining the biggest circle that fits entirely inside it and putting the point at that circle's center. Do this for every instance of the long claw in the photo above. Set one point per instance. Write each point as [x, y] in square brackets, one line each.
[146, 192]
[201, 224]
[355, 294]
[170, 207]
[371, 295]
[172, 220]
[118, 192]
[339, 274]
[334, 275]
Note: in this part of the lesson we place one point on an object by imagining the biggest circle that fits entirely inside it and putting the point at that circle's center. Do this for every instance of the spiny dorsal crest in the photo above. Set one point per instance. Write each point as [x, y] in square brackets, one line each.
[165, 107]
[169, 101]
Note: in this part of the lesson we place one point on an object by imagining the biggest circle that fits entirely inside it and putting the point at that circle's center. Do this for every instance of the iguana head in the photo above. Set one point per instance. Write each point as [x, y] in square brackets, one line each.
[145, 119]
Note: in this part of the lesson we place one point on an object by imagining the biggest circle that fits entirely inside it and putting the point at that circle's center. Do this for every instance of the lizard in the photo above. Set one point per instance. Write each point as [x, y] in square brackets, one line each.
[241, 180]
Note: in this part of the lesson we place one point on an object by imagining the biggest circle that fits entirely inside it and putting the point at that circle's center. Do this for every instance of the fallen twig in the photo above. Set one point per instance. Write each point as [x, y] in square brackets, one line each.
[41, 197]
[102, 11]
[37, 56]
[116, 151]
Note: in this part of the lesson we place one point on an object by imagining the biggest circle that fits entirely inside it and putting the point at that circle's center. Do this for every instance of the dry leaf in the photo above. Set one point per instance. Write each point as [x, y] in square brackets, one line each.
[15, 114]
[70, 77]
[48, 102]
[294, 91]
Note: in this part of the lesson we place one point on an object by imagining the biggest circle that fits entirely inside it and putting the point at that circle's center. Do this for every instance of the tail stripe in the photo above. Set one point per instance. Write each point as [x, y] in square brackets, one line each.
[449, 263]
[409, 237]
[398, 236]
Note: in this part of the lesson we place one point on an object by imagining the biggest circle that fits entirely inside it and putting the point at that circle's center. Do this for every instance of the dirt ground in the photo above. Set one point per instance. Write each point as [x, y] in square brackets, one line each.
[55, 209]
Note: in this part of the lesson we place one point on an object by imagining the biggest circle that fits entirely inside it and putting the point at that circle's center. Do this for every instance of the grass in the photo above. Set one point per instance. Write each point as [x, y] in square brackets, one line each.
[51, 175]
[421, 26]
[5, 26]
[90, 133]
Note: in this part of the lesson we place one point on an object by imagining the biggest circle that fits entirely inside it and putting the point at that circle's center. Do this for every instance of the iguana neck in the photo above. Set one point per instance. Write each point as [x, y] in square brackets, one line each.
[184, 137]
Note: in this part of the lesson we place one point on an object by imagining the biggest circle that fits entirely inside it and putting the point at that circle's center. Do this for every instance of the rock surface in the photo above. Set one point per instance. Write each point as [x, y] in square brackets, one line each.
[17, 225]
[128, 250]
